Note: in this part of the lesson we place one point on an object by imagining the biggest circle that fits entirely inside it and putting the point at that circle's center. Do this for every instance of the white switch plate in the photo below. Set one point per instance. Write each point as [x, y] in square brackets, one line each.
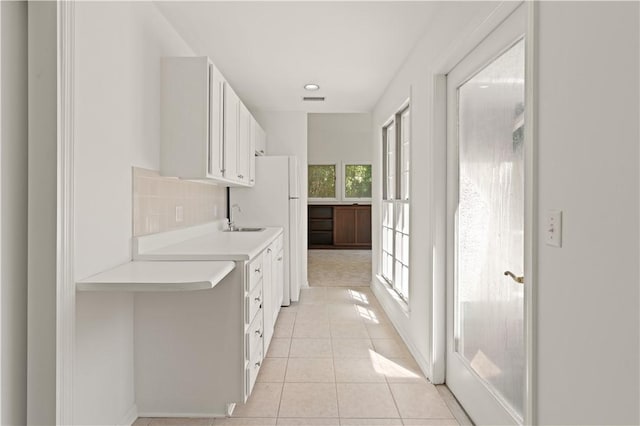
[553, 228]
[179, 214]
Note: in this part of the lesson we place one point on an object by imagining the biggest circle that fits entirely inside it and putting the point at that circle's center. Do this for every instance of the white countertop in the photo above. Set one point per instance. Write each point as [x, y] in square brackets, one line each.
[209, 245]
[158, 276]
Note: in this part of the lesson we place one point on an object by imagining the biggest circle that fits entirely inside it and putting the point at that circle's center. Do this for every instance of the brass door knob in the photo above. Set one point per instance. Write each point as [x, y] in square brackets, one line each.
[519, 280]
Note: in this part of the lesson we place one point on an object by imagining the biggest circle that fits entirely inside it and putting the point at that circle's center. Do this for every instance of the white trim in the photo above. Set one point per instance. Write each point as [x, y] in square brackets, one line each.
[130, 417]
[438, 207]
[66, 289]
[530, 212]
[1, 210]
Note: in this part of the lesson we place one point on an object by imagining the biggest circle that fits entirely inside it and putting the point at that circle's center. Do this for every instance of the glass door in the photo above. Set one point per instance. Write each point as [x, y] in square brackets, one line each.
[486, 346]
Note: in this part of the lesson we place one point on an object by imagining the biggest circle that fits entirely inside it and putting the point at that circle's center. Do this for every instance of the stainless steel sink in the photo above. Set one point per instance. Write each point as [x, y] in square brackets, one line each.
[241, 229]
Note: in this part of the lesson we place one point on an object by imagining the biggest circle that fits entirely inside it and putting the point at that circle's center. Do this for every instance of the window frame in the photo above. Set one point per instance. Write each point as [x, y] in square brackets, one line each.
[396, 200]
[344, 181]
[335, 198]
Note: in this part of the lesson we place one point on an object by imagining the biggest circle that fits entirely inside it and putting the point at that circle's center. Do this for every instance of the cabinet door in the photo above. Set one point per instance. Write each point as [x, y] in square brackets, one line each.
[261, 140]
[244, 144]
[267, 296]
[363, 225]
[278, 283]
[344, 225]
[231, 124]
[252, 151]
[215, 163]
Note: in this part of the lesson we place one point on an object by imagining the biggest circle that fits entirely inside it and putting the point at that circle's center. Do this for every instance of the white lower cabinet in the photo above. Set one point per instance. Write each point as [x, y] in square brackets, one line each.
[197, 353]
[273, 282]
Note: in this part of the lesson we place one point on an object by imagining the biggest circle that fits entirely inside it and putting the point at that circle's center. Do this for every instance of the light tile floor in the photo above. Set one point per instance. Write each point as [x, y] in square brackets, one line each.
[336, 360]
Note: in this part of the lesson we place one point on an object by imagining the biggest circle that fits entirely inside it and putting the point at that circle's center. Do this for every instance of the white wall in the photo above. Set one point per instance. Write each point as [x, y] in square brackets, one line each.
[414, 81]
[587, 291]
[588, 323]
[339, 138]
[14, 212]
[287, 135]
[42, 202]
[118, 51]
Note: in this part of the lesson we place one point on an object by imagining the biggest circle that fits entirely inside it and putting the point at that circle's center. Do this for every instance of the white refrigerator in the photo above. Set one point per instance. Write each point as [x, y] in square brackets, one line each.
[274, 201]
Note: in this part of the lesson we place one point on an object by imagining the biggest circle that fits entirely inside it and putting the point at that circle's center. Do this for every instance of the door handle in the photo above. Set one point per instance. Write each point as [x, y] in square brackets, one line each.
[519, 280]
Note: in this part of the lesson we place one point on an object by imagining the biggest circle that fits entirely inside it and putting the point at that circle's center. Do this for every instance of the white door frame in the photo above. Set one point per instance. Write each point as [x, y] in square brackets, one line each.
[1, 210]
[439, 174]
[65, 280]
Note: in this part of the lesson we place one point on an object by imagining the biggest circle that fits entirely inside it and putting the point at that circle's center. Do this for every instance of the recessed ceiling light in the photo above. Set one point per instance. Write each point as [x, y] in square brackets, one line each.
[484, 86]
[311, 87]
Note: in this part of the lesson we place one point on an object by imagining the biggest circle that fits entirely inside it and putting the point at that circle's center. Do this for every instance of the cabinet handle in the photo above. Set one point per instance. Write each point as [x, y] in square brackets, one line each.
[259, 333]
[268, 250]
[257, 299]
[258, 270]
[258, 364]
[280, 258]
[240, 177]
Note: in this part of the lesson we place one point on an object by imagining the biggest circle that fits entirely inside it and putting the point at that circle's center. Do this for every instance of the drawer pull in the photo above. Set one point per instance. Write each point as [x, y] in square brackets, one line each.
[259, 333]
[258, 270]
[257, 300]
[268, 250]
[279, 259]
[258, 364]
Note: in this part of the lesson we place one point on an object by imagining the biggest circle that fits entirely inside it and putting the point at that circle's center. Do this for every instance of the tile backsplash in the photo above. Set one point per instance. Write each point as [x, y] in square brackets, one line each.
[160, 202]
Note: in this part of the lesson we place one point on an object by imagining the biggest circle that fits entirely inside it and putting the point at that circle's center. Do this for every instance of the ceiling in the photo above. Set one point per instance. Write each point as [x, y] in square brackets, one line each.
[269, 50]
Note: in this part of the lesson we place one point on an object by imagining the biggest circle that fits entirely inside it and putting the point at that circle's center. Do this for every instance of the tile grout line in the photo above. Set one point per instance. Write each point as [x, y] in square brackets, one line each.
[286, 367]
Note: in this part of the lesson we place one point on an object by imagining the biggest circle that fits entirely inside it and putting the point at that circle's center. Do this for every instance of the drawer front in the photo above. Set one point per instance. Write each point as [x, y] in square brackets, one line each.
[254, 303]
[255, 336]
[279, 243]
[255, 272]
[252, 370]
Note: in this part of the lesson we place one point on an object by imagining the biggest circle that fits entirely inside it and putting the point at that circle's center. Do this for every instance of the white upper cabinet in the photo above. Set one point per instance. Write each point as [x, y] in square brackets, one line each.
[244, 145]
[231, 133]
[206, 130]
[260, 138]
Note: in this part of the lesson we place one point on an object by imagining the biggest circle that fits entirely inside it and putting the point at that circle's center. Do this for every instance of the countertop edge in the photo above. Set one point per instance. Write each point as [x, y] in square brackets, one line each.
[129, 277]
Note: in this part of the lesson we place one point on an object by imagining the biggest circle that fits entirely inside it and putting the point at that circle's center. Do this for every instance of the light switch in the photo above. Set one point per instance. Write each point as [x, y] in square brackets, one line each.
[553, 231]
[179, 214]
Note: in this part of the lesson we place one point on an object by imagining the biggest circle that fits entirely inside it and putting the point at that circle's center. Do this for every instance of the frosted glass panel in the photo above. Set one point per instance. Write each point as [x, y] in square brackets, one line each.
[489, 306]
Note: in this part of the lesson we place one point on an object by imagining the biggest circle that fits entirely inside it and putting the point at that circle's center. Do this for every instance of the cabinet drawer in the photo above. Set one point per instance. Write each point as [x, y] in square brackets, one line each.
[279, 243]
[255, 272]
[252, 370]
[254, 336]
[253, 303]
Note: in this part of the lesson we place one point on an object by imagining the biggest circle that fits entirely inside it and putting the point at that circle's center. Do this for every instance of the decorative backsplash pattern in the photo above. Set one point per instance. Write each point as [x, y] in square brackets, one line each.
[160, 202]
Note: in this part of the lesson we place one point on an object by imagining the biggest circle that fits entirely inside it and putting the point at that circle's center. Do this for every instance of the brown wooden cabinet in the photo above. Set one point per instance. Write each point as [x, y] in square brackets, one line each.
[339, 226]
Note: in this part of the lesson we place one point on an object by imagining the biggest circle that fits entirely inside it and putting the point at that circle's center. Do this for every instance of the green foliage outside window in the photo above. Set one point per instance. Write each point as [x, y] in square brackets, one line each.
[357, 182]
[322, 181]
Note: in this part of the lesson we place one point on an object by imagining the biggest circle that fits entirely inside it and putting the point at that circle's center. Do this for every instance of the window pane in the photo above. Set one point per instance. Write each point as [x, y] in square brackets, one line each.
[390, 162]
[357, 180]
[322, 181]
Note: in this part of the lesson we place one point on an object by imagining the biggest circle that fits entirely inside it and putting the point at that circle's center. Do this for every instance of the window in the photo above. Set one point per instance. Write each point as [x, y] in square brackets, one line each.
[357, 181]
[394, 262]
[322, 181]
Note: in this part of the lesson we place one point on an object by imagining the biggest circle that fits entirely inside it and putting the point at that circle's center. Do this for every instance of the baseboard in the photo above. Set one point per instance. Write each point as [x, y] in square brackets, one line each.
[199, 414]
[130, 417]
[383, 297]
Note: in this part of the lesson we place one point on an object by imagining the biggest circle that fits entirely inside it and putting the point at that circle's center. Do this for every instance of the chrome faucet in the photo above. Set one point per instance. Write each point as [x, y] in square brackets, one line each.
[232, 225]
